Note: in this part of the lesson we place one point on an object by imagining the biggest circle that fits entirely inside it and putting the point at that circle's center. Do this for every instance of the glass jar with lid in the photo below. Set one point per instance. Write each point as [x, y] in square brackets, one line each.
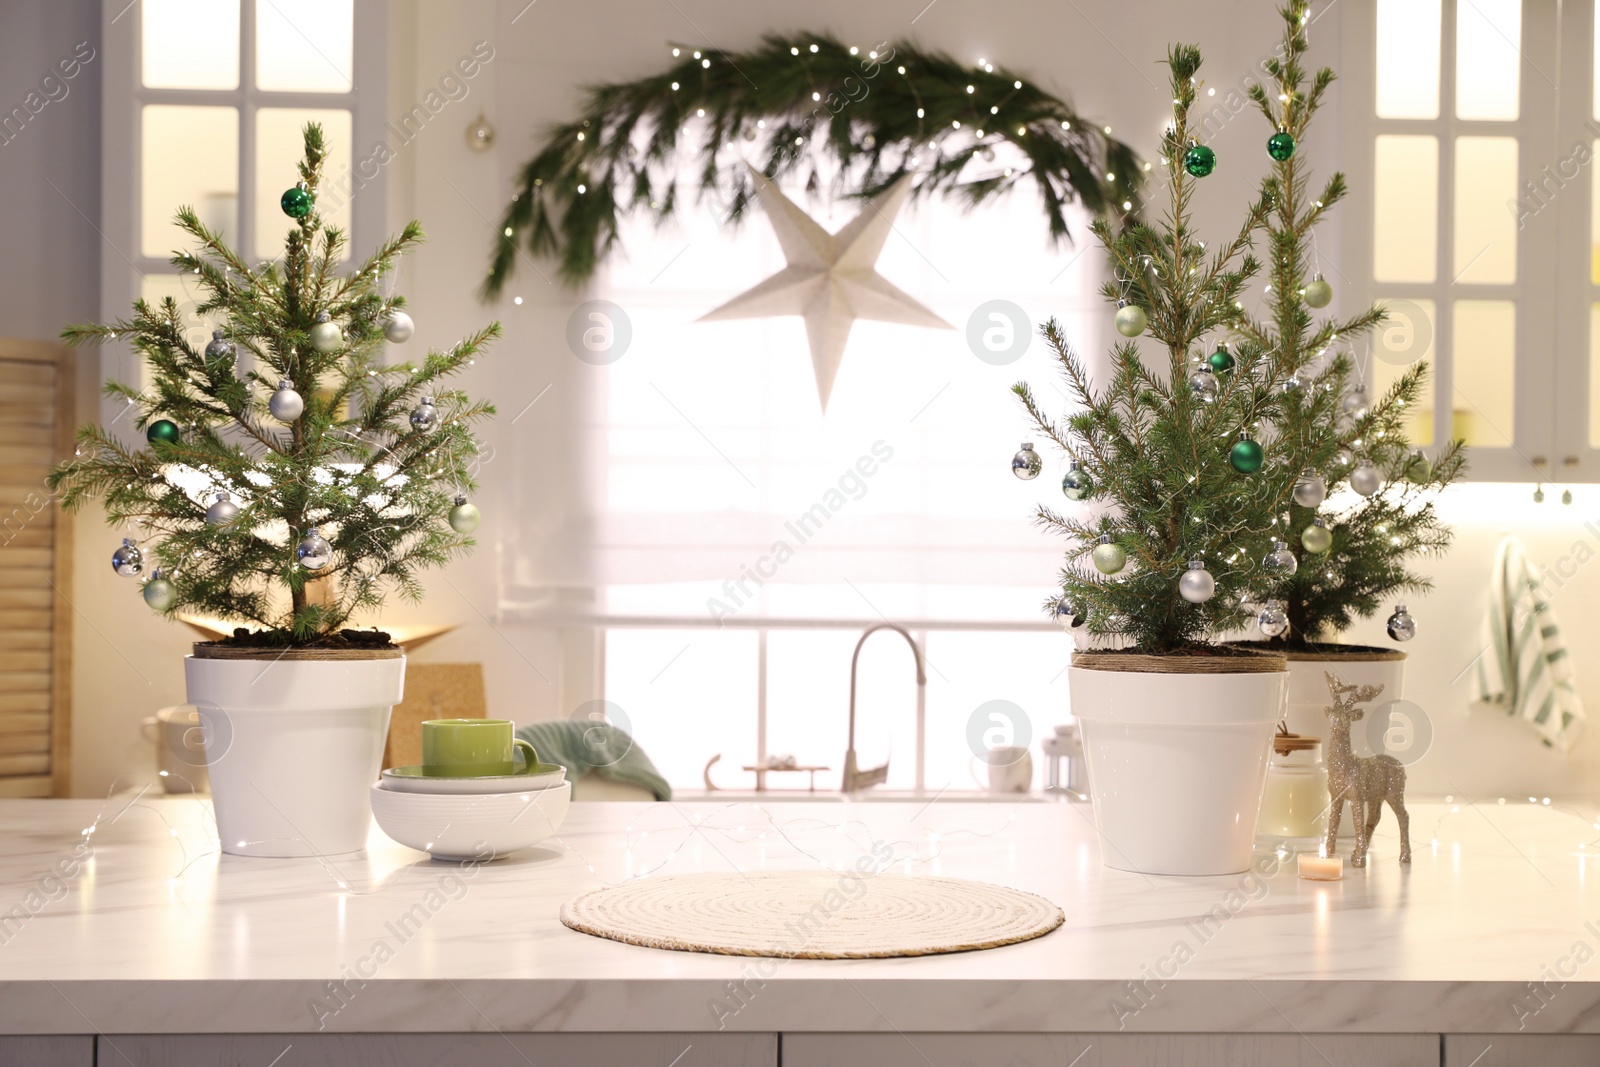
[1294, 805]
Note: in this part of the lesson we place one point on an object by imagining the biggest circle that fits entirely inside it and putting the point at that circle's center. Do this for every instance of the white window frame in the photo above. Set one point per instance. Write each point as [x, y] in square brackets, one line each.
[1552, 325]
[124, 96]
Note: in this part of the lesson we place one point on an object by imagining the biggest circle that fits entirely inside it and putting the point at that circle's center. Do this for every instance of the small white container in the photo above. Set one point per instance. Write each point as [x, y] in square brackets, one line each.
[461, 827]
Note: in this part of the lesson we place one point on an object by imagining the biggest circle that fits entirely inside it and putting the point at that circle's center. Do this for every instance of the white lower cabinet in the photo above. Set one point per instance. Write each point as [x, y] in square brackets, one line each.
[431, 1050]
[1113, 1050]
[1519, 1050]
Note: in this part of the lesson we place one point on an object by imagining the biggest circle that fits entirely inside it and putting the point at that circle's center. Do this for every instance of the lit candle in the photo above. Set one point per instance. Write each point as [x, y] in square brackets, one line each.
[1321, 868]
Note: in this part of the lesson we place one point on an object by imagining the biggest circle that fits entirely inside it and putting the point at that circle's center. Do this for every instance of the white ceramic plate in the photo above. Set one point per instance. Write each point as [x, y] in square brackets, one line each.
[461, 828]
[412, 780]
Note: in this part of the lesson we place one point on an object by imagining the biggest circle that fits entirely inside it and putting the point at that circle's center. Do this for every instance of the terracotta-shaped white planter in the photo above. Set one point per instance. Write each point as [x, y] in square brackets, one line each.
[1177, 761]
[293, 744]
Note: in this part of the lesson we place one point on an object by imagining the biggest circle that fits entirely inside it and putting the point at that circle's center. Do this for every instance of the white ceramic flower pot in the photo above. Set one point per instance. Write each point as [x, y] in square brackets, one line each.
[1177, 763]
[1308, 695]
[292, 747]
[1308, 690]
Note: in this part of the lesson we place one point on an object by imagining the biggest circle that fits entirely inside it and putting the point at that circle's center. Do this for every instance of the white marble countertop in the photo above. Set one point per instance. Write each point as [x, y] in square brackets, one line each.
[153, 931]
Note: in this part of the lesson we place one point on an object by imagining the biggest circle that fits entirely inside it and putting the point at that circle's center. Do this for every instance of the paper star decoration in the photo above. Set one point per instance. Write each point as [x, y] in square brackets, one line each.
[830, 279]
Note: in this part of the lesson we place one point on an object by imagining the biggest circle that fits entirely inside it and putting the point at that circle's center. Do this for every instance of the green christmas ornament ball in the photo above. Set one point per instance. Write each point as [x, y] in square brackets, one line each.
[1280, 146]
[1109, 558]
[1199, 160]
[296, 202]
[1221, 361]
[464, 517]
[1246, 455]
[1131, 320]
[1076, 483]
[164, 431]
[1318, 293]
[1418, 469]
[160, 593]
[1317, 537]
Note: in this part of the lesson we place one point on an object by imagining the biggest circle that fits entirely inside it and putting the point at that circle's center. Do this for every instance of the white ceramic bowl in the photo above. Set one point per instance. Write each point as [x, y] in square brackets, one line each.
[412, 780]
[462, 827]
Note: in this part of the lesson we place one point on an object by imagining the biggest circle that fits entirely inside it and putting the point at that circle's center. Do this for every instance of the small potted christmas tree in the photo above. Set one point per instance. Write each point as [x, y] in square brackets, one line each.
[1346, 558]
[289, 479]
[1191, 460]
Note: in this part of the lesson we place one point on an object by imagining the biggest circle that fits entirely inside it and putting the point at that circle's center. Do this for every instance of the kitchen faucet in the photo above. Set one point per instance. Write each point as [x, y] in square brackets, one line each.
[855, 780]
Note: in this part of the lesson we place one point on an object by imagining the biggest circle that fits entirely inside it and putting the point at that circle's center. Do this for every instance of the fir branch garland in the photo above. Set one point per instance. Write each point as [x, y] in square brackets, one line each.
[788, 104]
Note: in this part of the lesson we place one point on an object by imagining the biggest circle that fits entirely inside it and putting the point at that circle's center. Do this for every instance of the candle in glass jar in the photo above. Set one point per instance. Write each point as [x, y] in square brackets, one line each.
[1295, 801]
[1320, 868]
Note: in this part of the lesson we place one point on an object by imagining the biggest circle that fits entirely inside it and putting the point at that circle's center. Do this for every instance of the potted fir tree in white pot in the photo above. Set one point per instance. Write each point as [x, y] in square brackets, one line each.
[1183, 472]
[1363, 504]
[291, 478]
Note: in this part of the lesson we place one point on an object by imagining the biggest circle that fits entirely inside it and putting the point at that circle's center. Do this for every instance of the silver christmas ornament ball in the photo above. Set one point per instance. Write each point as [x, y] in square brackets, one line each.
[1280, 562]
[1365, 479]
[219, 347]
[1310, 491]
[286, 404]
[1026, 464]
[1068, 615]
[1402, 627]
[1197, 586]
[1355, 403]
[326, 335]
[313, 551]
[398, 327]
[1203, 383]
[464, 517]
[425, 417]
[128, 561]
[1273, 620]
[159, 593]
[222, 511]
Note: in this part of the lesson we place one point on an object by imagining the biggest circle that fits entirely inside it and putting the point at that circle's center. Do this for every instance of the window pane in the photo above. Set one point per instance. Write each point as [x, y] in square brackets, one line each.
[1486, 232]
[191, 44]
[1408, 59]
[305, 46]
[1404, 340]
[190, 156]
[1594, 215]
[280, 143]
[687, 695]
[1484, 364]
[1488, 58]
[1594, 375]
[1406, 209]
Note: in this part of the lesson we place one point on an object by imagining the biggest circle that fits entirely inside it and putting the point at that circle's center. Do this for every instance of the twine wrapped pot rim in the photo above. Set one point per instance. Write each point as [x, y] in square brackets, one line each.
[811, 915]
[205, 650]
[1250, 661]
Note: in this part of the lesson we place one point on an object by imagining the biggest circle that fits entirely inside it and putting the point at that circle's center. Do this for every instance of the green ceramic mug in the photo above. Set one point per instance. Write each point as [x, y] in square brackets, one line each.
[473, 748]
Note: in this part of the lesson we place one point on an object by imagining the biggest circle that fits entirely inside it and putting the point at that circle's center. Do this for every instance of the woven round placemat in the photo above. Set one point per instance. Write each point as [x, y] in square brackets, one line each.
[811, 915]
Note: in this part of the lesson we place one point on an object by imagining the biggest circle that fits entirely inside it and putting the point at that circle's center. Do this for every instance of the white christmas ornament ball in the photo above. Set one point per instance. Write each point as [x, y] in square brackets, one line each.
[222, 511]
[1310, 490]
[1197, 586]
[1365, 479]
[398, 327]
[286, 404]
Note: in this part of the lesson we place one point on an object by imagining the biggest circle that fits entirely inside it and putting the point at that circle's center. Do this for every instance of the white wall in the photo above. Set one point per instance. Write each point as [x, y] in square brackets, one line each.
[1104, 58]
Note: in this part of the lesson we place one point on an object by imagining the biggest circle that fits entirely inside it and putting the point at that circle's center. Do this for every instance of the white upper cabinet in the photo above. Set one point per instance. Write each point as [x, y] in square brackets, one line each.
[1469, 137]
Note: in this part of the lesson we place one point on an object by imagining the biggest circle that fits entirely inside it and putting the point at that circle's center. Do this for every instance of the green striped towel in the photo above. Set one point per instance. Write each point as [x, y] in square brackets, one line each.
[582, 746]
[1524, 668]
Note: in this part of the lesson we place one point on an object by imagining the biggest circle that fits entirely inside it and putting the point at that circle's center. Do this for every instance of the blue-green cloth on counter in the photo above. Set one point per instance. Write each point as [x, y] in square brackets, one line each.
[582, 746]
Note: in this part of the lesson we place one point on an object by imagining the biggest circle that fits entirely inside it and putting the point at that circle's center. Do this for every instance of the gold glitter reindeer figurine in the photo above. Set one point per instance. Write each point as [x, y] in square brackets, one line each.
[1366, 782]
